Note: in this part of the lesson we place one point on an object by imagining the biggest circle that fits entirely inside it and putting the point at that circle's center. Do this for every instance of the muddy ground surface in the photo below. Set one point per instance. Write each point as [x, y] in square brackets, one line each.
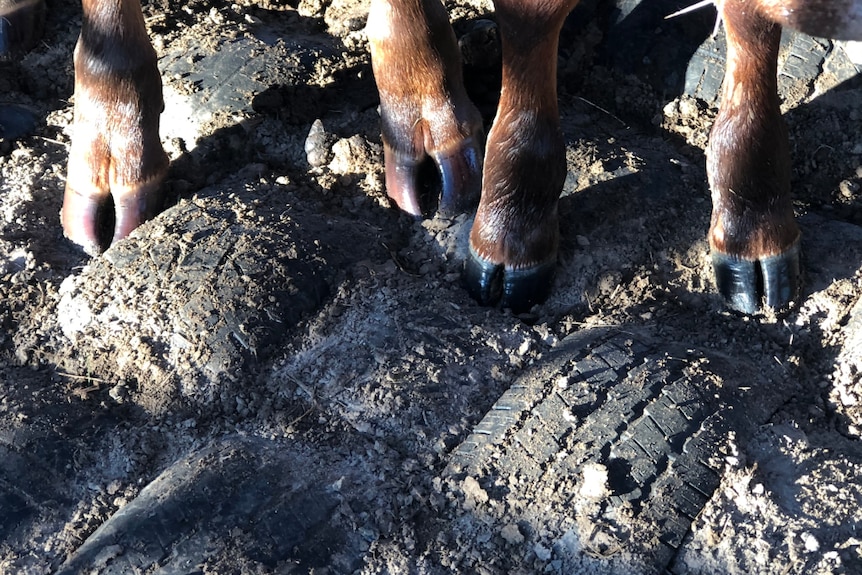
[282, 374]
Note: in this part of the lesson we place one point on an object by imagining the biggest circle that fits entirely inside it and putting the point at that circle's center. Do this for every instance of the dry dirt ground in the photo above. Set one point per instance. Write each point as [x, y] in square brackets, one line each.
[282, 374]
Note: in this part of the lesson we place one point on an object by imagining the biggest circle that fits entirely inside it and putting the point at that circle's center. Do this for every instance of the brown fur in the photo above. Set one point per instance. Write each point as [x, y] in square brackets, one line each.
[748, 160]
[115, 149]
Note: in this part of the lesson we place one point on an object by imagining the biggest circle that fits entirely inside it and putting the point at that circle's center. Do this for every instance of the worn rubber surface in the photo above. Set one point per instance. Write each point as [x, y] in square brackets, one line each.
[22, 503]
[683, 56]
[216, 286]
[45, 442]
[633, 430]
[249, 493]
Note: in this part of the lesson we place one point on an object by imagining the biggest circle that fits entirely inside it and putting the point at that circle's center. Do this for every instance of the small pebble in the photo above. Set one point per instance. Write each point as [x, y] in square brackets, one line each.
[848, 189]
[511, 534]
[317, 149]
[810, 542]
[542, 552]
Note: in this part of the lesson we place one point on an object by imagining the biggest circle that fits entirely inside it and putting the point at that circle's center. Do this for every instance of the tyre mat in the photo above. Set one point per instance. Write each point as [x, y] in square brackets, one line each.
[613, 437]
[682, 55]
[203, 309]
[246, 494]
[46, 440]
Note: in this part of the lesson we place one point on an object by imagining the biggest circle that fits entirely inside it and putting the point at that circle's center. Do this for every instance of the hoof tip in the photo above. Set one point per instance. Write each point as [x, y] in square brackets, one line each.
[16, 122]
[517, 289]
[749, 285]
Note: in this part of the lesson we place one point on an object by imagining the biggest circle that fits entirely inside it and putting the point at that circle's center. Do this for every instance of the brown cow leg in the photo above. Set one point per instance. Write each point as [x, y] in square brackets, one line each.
[21, 24]
[116, 161]
[513, 243]
[423, 105]
[753, 235]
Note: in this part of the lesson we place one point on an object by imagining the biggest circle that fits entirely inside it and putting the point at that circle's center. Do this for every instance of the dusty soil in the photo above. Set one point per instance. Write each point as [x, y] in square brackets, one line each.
[282, 374]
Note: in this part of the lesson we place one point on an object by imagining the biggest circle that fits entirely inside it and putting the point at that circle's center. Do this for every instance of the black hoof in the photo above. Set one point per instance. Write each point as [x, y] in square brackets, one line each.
[16, 122]
[517, 289]
[21, 25]
[748, 285]
[460, 178]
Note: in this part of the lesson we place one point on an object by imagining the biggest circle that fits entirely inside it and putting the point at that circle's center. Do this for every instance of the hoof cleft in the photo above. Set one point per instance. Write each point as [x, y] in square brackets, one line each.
[517, 289]
[749, 285]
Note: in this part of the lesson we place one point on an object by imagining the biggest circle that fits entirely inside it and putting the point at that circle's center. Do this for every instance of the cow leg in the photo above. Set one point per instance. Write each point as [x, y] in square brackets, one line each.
[116, 161]
[21, 23]
[514, 239]
[753, 234]
[424, 107]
